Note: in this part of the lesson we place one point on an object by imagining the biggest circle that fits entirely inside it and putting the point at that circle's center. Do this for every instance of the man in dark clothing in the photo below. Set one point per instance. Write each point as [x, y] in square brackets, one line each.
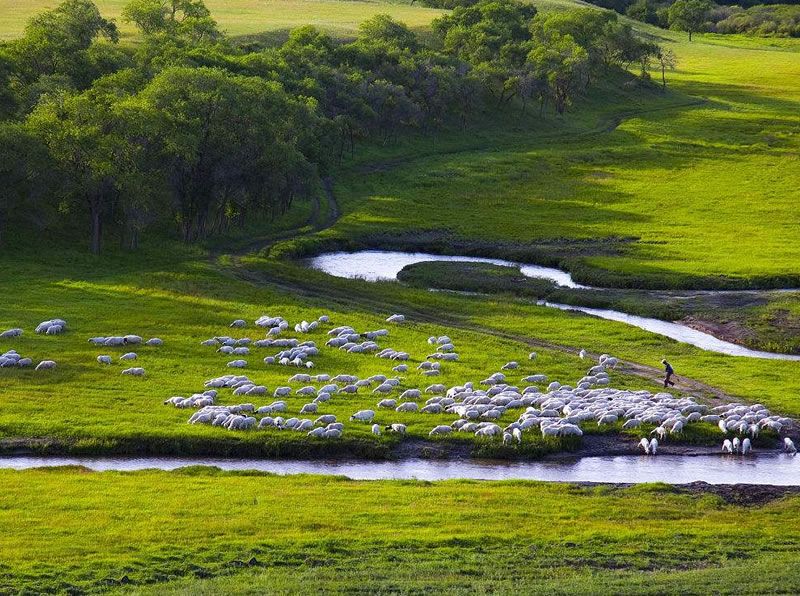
[670, 371]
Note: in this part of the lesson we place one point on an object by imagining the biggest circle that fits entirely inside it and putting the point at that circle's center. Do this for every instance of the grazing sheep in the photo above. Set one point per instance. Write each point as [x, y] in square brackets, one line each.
[325, 419]
[363, 415]
[509, 366]
[104, 359]
[408, 406]
[396, 428]
[11, 333]
[441, 429]
[376, 430]
[237, 364]
[238, 323]
[154, 342]
[396, 319]
[309, 409]
[128, 356]
[387, 403]
[135, 372]
[131, 339]
[46, 365]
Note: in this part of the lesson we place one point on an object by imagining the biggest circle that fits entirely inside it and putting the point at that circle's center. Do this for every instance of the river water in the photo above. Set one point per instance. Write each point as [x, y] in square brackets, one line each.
[379, 265]
[763, 468]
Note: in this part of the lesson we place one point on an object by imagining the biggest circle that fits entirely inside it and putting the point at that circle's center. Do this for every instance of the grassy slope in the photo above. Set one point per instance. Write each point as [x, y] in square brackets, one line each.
[464, 536]
[245, 17]
[709, 189]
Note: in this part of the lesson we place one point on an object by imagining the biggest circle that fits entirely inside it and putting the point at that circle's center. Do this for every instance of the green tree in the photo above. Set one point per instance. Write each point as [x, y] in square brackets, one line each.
[80, 138]
[189, 19]
[227, 145]
[562, 64]
[644, 11]
[492, 36]
[689, 15]
[25, 176]
[56, 41]
[666, 61]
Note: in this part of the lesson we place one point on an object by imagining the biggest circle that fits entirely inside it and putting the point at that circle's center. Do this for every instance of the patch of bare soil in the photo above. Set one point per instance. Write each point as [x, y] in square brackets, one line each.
[748, 495]
[731, 331]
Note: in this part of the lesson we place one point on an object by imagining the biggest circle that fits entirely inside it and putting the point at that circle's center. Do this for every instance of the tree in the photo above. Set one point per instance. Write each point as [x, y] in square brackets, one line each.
[82, 142]
[55, 41]
[689, 15]
[384, 29]
[189, 19]
[227, 145]
[492, 36]
[25, 175]
[644, 11]
[559, 65]
[666, 60]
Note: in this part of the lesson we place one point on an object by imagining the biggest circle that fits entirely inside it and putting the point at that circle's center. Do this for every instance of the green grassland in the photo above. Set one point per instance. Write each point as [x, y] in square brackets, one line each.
[247, 17]
[633, 185]
[759, 320]
[165, 531]
[702, 176]
[697, 188]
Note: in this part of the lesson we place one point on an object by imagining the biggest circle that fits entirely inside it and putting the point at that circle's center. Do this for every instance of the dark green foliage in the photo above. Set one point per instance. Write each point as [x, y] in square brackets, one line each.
[187, 129]
[778, 20]
[689, 15]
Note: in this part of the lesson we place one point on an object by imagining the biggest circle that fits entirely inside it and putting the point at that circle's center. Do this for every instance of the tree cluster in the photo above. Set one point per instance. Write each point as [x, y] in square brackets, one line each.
[189, 131]
[778, 18]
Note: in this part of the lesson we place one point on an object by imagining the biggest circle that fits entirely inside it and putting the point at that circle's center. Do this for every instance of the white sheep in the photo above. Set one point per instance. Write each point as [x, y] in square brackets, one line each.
[408, 406]
[104, 359]
[46, 365]
[441, 429]
[363, 416]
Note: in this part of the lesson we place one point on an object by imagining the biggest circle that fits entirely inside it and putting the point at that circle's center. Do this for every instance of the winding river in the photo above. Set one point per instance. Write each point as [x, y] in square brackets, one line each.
[379, 265]
[763, 468]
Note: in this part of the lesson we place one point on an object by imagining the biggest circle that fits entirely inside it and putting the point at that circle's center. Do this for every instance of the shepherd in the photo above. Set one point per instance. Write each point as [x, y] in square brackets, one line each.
[670, 371]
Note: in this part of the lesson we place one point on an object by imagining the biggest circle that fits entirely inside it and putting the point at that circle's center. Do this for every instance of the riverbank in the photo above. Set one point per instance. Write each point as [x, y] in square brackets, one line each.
[757, 320]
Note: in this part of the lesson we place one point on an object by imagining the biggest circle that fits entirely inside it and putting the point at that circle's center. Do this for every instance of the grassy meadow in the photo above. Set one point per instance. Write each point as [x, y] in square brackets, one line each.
[192, 532]
[693, 187]
[696, 188]
[246, 17]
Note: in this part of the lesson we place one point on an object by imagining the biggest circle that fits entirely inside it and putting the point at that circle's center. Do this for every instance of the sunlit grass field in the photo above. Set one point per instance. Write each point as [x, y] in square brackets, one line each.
[246, 17]
[703, 179]
[707, 189]
[86, 531]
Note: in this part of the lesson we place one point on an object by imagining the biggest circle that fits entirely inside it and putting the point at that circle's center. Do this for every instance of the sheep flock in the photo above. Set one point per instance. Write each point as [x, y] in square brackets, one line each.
[550, 408]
